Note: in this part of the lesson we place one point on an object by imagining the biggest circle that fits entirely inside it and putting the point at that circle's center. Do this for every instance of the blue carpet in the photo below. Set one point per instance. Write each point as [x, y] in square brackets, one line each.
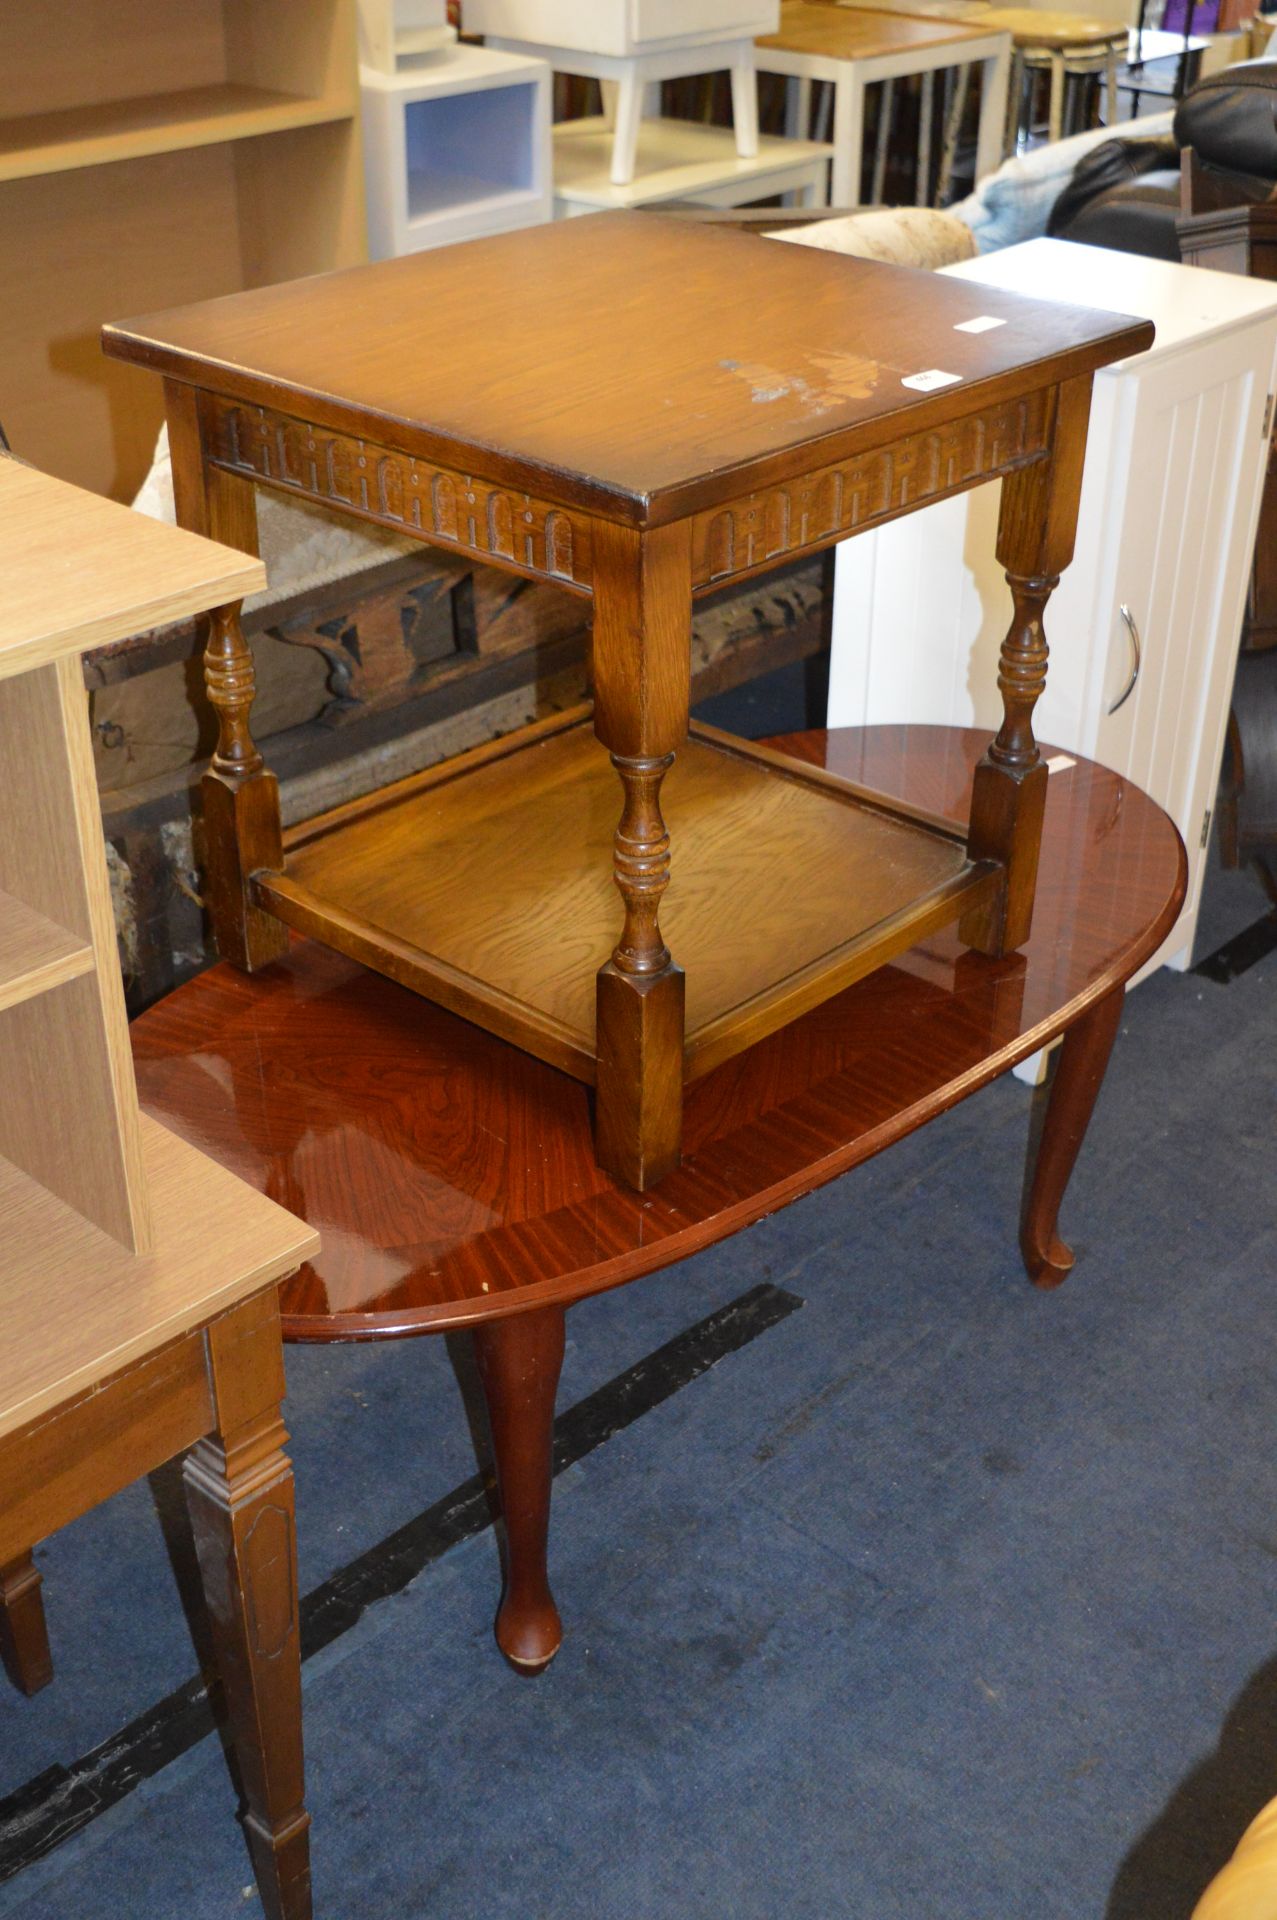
[942, 1597]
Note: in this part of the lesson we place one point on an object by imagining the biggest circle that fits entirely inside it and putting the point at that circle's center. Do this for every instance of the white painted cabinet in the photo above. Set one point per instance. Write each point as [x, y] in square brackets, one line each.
[1144, 627]
[621, 26]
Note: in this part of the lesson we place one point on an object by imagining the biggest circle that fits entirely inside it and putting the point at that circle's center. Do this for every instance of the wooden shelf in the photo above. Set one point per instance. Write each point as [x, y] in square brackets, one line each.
[487, 886]
[90, 136]
[231, 132]
[77, 1307]
[35, 953]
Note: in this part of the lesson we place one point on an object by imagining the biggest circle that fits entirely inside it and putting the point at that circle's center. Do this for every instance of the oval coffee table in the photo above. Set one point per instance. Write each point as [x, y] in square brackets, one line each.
[453, 1176]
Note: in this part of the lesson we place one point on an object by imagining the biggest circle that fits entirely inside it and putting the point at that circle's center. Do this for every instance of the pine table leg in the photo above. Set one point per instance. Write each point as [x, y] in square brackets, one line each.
[520, 1359]
[239, 1488]
[24, 1633]
[1079, 1075]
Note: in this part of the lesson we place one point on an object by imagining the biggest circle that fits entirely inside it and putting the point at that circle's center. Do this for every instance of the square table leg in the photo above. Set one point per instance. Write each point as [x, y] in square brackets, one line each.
[24, 1633]
[995, 82]
[849, 134]
[239, 1489]
[797, 107]
[1037, 526]
[627, 119]
[642, 675]
[745, 102]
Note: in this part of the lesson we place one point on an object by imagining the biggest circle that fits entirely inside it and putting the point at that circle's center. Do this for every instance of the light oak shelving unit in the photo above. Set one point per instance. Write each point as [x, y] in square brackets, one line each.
[78, 571]
[152, 154]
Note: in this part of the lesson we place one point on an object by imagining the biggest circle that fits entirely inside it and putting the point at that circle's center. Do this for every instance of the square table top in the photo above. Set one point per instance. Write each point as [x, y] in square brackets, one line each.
[634, 365]
[861, 33]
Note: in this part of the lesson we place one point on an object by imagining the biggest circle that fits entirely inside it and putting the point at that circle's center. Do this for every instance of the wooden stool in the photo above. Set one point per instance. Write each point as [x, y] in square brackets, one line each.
[854, 48]
[138, 1308]
[1067, 43]
[459, 1175]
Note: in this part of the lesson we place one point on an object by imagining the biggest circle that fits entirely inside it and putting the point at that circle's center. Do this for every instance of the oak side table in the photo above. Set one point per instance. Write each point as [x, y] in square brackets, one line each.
[641, 410]
[139, 1315]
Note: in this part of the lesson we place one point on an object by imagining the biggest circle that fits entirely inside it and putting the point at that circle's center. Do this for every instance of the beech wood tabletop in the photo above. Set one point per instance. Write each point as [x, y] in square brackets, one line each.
[862, 33]
[453, 1177]
[634, 364]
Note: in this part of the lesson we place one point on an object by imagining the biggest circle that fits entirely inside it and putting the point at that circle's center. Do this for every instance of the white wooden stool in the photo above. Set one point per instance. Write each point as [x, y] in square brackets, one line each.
[854, 48]
[395, 30]
[632, 46]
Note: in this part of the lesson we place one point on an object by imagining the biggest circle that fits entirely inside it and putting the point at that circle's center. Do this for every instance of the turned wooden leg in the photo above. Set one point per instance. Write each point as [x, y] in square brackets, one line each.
[24, 1633]
[1036, 529]
[1079, 1074]
[242, 831]
[520, 1359]
[239, 1488]
[642, 655]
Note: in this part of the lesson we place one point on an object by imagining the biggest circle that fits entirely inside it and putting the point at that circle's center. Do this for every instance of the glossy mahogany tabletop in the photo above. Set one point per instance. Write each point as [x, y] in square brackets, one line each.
[453, 1177]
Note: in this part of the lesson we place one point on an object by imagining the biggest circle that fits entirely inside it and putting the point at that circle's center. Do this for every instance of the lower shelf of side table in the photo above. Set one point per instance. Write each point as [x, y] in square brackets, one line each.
[486, 885]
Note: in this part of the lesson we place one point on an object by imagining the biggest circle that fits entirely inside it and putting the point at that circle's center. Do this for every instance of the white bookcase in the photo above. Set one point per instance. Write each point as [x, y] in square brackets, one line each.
[1145, 625]
[622, 26]
[630, 46]
[391, 31]
[456, 146]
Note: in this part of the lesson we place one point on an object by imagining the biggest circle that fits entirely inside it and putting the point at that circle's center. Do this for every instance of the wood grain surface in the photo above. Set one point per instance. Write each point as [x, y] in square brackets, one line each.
[632, 365]
[80, 571]
[454, 1177]
[503, 876]
[77, 1307]
[856, 33]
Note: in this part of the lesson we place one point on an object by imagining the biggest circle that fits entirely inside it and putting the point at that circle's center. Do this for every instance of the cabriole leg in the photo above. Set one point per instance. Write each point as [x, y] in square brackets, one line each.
[1079, 1075]
[520, 1359]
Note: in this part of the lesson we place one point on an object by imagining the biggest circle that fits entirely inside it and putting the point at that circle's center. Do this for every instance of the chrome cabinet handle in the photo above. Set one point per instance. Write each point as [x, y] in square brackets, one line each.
[1137, 652]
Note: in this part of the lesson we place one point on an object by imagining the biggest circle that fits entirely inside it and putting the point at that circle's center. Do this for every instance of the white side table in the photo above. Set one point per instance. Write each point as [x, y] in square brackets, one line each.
[854, 49]
[395, 30]
[632, 45]
[682, 160]
[1144, 628]
[632, 74]
[456, 146]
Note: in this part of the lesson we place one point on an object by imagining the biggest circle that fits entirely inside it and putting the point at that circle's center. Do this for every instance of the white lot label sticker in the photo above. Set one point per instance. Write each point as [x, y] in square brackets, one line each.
[1059, 762]
[983, 323]
[928, 382]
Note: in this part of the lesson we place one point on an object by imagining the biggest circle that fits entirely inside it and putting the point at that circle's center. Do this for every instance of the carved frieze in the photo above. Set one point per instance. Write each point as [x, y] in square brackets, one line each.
[462, 511]
[410, 496]
[781, 522]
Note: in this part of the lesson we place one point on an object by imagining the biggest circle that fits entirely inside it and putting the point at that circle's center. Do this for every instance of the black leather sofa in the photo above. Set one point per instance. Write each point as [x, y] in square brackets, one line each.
[1126, 193]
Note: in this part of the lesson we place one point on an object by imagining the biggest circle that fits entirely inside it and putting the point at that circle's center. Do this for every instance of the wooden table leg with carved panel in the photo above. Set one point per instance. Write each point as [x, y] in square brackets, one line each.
[636, 915]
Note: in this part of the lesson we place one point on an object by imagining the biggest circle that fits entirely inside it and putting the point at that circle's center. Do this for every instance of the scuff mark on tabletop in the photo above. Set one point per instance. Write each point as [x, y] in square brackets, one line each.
[843, 377]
